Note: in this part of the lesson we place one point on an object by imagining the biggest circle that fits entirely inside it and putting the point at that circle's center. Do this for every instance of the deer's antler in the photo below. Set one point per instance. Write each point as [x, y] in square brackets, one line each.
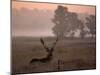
[54, 44]
[44, 45]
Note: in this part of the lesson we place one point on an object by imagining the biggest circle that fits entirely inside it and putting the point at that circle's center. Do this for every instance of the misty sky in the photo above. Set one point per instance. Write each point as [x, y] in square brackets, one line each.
[30, 19]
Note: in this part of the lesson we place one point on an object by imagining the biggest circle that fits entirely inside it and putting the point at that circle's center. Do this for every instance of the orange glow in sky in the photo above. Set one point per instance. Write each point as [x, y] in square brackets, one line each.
[49, 6]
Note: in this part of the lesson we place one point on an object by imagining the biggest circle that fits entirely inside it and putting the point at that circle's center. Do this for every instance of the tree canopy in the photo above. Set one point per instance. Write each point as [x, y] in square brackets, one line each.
[91, 24]
[65, 21]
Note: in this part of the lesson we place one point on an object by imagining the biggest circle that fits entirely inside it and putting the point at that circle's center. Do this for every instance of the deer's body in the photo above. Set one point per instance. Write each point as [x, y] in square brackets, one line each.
[42, 60]
[49, 56]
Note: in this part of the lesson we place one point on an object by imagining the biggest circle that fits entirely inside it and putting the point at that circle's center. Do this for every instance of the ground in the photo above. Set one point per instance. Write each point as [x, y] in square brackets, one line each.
[69, 54]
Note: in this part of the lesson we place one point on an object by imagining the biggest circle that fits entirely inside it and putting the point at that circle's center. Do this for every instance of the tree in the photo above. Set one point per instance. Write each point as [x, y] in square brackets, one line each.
[65, 21]
[60, 21]
[82, 32]
[91, 24]
[74, 23]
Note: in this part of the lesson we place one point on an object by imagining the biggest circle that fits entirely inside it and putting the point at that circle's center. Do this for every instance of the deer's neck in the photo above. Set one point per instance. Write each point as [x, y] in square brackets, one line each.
[49, 56]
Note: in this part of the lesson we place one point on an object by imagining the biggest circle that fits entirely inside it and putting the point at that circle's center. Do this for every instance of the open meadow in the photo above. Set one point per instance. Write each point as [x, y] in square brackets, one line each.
[69, 54]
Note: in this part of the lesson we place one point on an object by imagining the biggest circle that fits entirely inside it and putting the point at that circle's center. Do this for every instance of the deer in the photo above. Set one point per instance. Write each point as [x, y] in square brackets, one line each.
[49, 53]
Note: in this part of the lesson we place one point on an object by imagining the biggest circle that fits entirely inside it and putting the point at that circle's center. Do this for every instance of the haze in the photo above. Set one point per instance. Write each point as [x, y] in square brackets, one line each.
[34, 19]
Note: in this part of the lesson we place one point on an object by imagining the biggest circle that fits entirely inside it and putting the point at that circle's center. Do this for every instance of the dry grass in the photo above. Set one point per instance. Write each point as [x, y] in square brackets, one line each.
[73, 55]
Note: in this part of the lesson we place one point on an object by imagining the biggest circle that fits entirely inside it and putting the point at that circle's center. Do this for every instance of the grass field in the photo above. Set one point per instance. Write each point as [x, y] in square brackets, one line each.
[73, 54]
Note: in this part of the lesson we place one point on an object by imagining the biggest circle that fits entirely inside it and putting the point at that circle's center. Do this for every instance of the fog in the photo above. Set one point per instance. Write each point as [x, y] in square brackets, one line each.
[36, 22]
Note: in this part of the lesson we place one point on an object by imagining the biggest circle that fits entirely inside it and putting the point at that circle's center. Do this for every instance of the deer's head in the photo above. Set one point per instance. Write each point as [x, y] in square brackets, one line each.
[48, 50]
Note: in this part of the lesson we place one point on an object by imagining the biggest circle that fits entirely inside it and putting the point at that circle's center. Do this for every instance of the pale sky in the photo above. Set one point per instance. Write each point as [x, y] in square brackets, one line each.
[72, 8]
[26, 22]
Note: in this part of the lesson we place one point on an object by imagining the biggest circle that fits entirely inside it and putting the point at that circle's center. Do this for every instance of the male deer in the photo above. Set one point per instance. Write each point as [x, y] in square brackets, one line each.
[48, 50]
